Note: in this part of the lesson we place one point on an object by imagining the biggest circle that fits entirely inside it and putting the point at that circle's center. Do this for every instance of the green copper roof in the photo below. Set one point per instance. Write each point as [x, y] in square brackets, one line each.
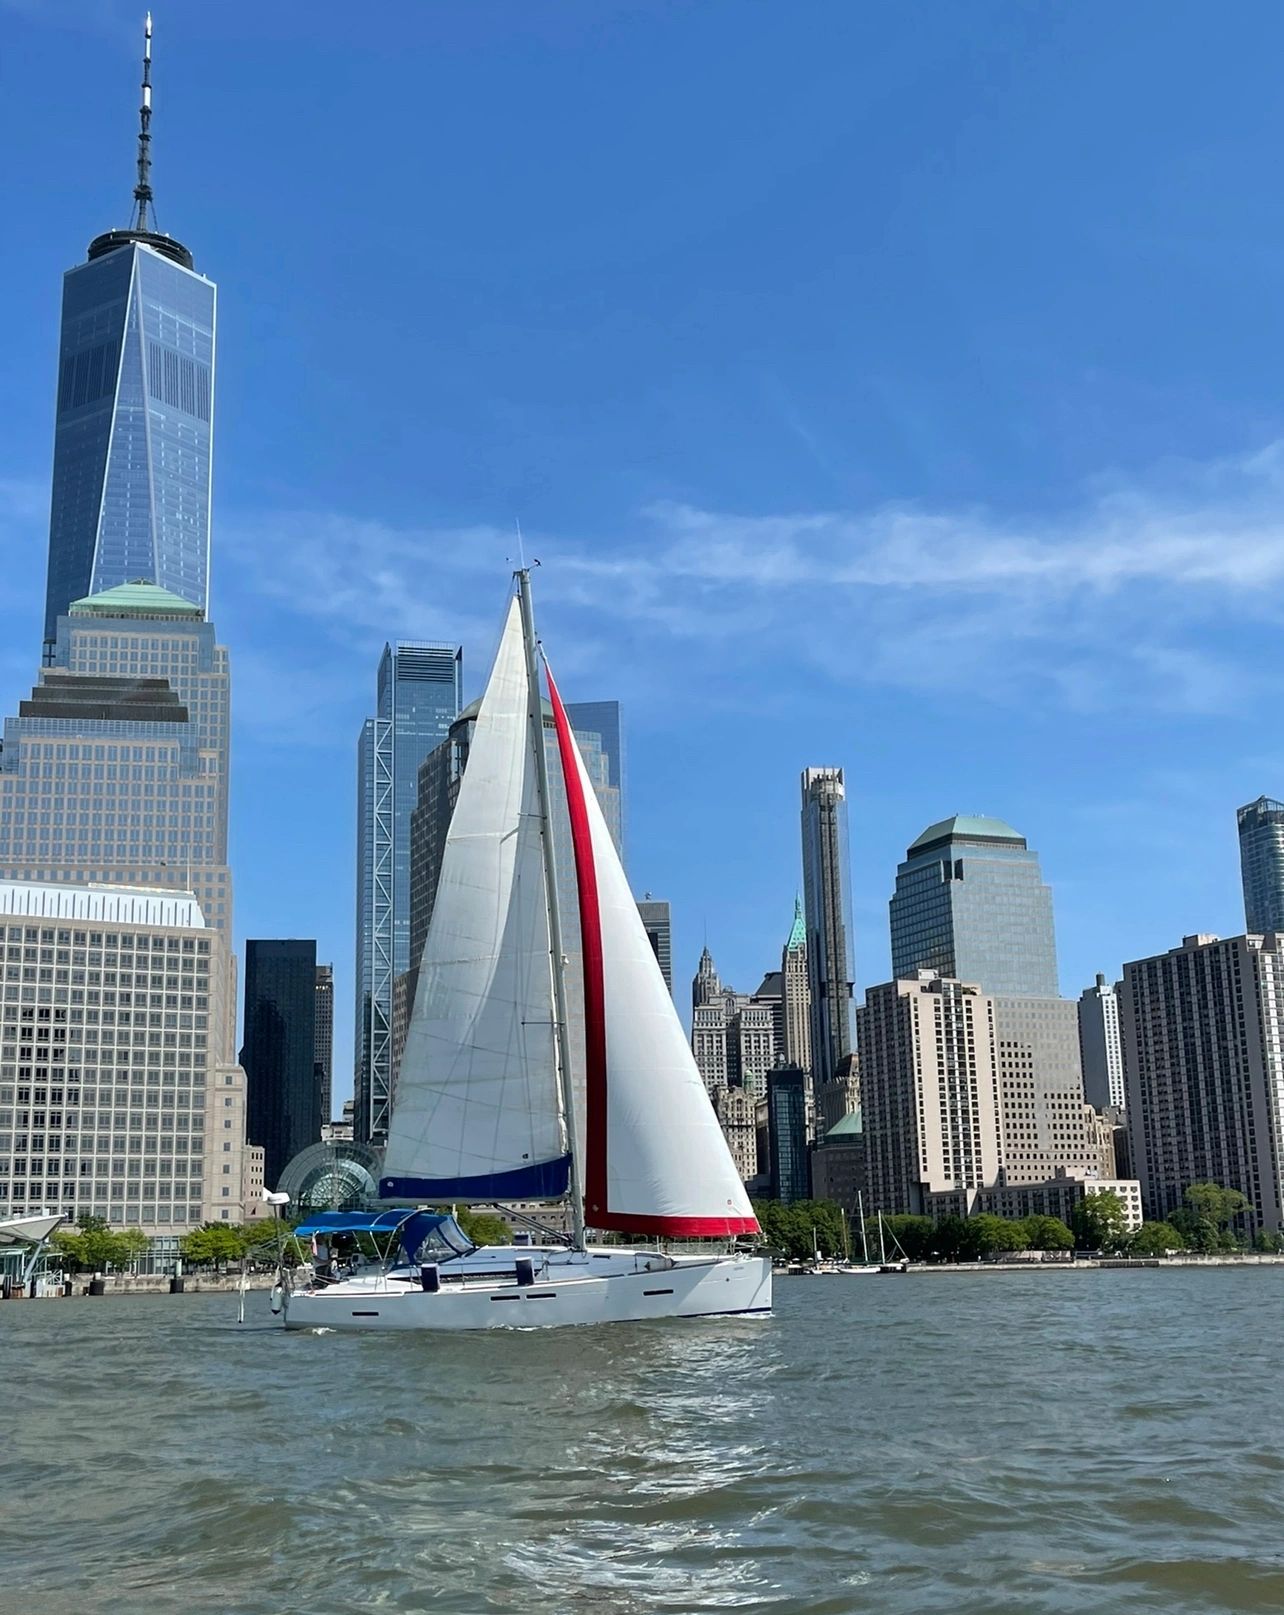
[132, 600]
[848, 1126]
[967, 827]
[798, 936]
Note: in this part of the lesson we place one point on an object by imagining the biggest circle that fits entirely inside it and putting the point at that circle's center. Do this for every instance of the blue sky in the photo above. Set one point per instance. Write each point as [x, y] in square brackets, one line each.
[892, 386]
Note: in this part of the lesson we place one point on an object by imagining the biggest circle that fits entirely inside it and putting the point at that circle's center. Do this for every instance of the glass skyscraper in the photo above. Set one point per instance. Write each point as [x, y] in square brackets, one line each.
[133, 438]
[970, 903]
[135, 411]
[283, 1096]
[1261, 862]
[419, 695]
[788, 1160]
[827, 906]
[602, 720]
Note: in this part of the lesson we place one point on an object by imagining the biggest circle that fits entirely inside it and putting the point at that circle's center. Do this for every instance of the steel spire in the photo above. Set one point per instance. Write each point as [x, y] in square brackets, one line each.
[143, 190]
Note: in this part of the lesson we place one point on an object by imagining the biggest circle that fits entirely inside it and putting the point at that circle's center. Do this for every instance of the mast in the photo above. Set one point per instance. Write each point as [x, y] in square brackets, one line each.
[561, 1018]
[143, 190]
[864, 1235]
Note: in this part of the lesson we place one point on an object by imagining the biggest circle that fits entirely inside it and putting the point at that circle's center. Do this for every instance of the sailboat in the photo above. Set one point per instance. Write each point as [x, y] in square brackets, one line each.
[864, 1266]
[901, 1264]
[485, 1109]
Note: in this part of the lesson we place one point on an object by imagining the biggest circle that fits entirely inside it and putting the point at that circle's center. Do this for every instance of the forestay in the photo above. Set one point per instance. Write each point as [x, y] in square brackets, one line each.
[656, 1160]
[477, 1114]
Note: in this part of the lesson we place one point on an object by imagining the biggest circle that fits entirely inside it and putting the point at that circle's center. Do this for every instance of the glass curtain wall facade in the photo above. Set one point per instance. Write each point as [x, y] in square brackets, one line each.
[283, 1098]
[133, 439]
[419, 693]
[971, 905]
[789, 1163]
[602, 719]
[827, 906]
[1261, 861]
[323, 1058]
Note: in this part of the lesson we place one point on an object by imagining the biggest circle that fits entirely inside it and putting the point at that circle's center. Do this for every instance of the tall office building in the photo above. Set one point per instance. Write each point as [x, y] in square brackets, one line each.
[753, 1033]
[1261, 863]
[1045, 1125]
[736, 1038]
[706, 984]
[838, 1098]
[133, 438]
[838, 1169]
[709, 1044]
[119, 1092]
[796, 994]
[659, 930]
[1100, 1046]
[323, 1056]
[827, 906]
[970, 904]
[601, 720]
[788, 1162]
[929, 1090]
[419, 693]
[279, 1050]
[1203, 1038]
[115, 769]
[736, 1111]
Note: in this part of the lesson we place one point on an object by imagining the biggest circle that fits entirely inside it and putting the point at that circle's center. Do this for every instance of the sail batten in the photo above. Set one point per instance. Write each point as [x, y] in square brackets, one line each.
[477, 1113]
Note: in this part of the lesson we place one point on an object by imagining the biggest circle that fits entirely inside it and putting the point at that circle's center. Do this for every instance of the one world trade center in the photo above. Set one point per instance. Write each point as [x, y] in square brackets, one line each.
[134, 435]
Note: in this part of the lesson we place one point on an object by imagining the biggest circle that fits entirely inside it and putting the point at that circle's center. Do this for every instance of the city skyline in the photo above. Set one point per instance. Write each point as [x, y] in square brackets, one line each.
[300, 651]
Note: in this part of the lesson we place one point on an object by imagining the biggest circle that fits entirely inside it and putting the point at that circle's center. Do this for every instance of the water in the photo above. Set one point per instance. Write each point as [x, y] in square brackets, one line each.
[993, 1444]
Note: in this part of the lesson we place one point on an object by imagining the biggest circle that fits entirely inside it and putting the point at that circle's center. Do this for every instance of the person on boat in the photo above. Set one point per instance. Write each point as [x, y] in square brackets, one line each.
[322, 1265]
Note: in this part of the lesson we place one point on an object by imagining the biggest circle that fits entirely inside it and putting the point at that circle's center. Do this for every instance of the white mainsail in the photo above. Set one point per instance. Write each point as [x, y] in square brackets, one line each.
[656, 1159]
[477, 1112]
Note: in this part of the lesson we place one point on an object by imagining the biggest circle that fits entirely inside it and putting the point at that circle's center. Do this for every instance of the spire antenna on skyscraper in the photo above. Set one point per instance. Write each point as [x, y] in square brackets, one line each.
[143, 190]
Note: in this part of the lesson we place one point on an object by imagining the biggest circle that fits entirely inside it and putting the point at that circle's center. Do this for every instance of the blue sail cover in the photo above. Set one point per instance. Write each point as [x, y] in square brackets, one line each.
[543, 1180]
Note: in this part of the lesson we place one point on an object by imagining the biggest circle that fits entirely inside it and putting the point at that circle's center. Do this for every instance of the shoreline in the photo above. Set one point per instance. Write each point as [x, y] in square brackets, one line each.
[1081, 1264]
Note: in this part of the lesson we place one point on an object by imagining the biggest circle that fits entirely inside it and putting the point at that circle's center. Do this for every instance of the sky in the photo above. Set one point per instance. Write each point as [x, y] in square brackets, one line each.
[889, 386]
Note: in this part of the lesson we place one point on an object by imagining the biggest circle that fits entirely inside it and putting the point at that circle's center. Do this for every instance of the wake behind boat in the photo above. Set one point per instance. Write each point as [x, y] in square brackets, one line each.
[485, 1108]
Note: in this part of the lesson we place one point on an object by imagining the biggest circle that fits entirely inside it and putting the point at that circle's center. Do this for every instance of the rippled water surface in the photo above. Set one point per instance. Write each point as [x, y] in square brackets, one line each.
[1087, 1441]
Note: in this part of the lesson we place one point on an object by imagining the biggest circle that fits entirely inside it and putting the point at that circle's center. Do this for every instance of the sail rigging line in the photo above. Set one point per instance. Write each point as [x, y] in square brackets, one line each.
[556, 947]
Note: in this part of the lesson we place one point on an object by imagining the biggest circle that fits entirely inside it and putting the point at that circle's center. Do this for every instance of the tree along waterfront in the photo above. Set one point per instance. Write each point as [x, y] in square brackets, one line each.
[1211, 1221]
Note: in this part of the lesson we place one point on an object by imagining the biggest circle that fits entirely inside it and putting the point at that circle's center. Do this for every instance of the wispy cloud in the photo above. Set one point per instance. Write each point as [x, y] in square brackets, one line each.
[1133, 586]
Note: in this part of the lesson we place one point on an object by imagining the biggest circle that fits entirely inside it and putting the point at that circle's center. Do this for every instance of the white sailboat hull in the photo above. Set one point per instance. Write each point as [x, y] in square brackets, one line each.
[569, 1288]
